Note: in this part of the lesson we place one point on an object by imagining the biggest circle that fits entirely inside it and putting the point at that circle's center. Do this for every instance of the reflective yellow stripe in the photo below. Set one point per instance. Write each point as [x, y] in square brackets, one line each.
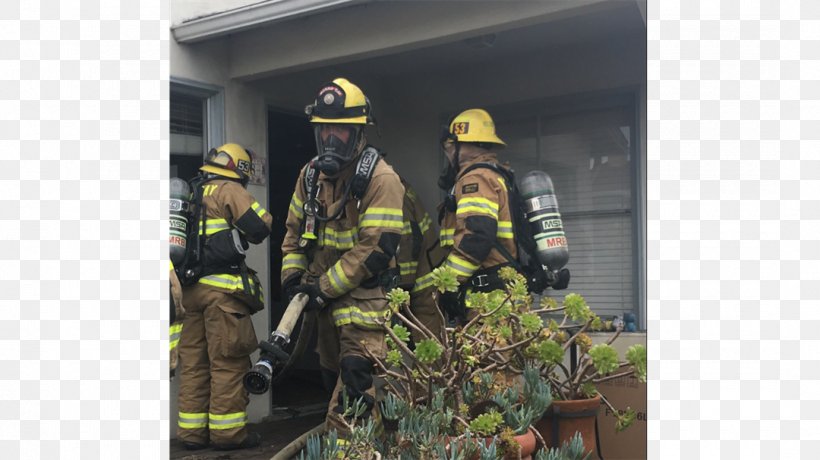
[296, 206]
[382, 217]
[298, 261]
[174, 332]
[214, 226]
[462, 266]
[408, 268]
[504, 229]
[477, 206]
[192, 421]
[503, 182]
[225, 281]
[339, 239]
[445, 236]
[338, 279]
[227, 421]
[353, 315]
[424, 282]
[425, 223]
[172, 264]
[260, 211]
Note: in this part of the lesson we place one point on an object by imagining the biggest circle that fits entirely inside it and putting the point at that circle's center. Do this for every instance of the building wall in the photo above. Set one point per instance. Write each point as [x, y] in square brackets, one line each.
[245, 124]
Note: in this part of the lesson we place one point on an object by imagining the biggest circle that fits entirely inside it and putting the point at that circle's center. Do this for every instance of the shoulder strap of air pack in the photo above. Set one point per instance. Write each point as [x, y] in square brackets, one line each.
[364, 171]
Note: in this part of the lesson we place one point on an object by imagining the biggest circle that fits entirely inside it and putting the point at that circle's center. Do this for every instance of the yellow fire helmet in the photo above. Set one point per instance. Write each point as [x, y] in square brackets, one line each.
[340, 102]
[474, 125]
[229, 160]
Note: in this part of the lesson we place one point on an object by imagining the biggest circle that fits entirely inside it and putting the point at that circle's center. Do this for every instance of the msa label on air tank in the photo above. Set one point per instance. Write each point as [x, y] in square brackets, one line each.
[550, 224]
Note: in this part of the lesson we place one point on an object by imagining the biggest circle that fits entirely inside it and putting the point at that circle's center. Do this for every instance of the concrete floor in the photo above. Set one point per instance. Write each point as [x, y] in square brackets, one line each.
[275, 436]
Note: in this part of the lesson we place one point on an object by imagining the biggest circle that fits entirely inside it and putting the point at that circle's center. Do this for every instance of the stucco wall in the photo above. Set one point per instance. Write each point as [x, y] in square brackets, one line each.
[245, 124]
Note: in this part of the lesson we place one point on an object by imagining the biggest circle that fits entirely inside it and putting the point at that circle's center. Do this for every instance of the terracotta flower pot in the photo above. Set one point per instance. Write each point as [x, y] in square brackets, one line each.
[526, 441]
[563, 418]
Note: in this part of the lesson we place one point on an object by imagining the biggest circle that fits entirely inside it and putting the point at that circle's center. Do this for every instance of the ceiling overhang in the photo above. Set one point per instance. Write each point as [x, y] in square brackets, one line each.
[252, 16]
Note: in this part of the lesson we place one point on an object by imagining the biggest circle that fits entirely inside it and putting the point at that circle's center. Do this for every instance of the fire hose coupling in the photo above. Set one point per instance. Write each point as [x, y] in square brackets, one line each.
[258, 379]
[273, 355]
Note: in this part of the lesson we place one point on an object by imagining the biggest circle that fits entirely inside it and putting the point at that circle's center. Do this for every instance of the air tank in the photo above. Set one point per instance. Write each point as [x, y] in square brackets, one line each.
[178, 219]
[541, 206]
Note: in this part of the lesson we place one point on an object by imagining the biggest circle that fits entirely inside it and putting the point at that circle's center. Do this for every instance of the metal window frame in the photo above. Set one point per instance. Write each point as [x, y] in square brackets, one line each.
[214, 97]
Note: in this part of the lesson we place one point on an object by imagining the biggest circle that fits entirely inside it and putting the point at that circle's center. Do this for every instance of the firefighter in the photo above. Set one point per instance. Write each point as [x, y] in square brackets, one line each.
[475, 219]
[419, 253]
[218, 335]
[341, 242]
[177, 313]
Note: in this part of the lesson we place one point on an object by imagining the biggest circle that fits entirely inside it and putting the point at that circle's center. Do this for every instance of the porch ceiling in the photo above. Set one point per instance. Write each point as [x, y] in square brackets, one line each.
[585, 26]
[438, 32]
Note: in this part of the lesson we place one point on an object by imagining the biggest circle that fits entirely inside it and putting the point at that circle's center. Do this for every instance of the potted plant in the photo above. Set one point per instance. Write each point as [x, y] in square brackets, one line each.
[477, 380]
[475, 392]
[575, 397]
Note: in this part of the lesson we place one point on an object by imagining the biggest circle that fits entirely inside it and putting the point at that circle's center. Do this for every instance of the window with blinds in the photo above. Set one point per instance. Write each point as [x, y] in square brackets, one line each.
[187, 124]
[588, 156]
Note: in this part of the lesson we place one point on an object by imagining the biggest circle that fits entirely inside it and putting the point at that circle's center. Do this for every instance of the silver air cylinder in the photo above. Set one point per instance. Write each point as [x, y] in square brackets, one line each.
[547, 228]
[178, 219]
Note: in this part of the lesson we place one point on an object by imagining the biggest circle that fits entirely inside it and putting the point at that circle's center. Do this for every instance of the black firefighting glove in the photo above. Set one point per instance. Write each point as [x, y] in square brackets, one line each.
[290, 284]
[450, 303]
[561, 280]
[316, 300]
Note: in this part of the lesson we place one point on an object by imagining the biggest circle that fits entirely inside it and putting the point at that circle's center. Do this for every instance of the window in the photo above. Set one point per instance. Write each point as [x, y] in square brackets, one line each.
[195, 125]
[188, 127]
[588, 152]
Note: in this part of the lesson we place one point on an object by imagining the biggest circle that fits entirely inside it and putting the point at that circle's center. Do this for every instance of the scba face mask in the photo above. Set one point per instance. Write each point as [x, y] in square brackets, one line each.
[336, 145]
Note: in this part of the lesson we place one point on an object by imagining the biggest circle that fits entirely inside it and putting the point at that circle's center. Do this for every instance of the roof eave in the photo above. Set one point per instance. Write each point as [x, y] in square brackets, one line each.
[252, 16]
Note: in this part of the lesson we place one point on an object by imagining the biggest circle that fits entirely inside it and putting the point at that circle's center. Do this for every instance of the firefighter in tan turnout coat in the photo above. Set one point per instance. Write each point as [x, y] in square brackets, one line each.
[341, 243]
[477, 224]
[218, 335]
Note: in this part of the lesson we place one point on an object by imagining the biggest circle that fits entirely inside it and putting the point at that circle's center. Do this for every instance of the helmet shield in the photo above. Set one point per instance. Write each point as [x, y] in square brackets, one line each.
[336, 145]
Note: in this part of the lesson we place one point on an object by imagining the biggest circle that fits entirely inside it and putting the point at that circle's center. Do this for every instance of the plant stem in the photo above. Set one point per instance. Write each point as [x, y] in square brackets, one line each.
[400, 344]
[612, 377]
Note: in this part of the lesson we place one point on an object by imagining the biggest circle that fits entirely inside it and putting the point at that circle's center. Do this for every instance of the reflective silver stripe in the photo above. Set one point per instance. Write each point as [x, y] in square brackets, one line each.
[227, 421]
[353, 315]
[423, 282]
[460, 265]
[408, 268]
[338, 279]
[425, 223]
[296, 206]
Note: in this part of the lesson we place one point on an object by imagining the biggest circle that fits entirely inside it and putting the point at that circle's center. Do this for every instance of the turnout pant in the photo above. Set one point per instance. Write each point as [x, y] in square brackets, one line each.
[214, 351]
[347, 327]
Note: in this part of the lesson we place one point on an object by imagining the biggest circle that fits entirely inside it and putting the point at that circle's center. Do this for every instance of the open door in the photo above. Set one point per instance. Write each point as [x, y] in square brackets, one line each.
[290, 147]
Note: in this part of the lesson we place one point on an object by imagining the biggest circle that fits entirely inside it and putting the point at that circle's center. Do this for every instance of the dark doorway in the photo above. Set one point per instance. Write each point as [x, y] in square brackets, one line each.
[290, 147]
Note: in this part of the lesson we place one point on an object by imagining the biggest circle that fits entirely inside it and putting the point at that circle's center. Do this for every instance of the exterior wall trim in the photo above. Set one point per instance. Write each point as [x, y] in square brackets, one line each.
[251, 16]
